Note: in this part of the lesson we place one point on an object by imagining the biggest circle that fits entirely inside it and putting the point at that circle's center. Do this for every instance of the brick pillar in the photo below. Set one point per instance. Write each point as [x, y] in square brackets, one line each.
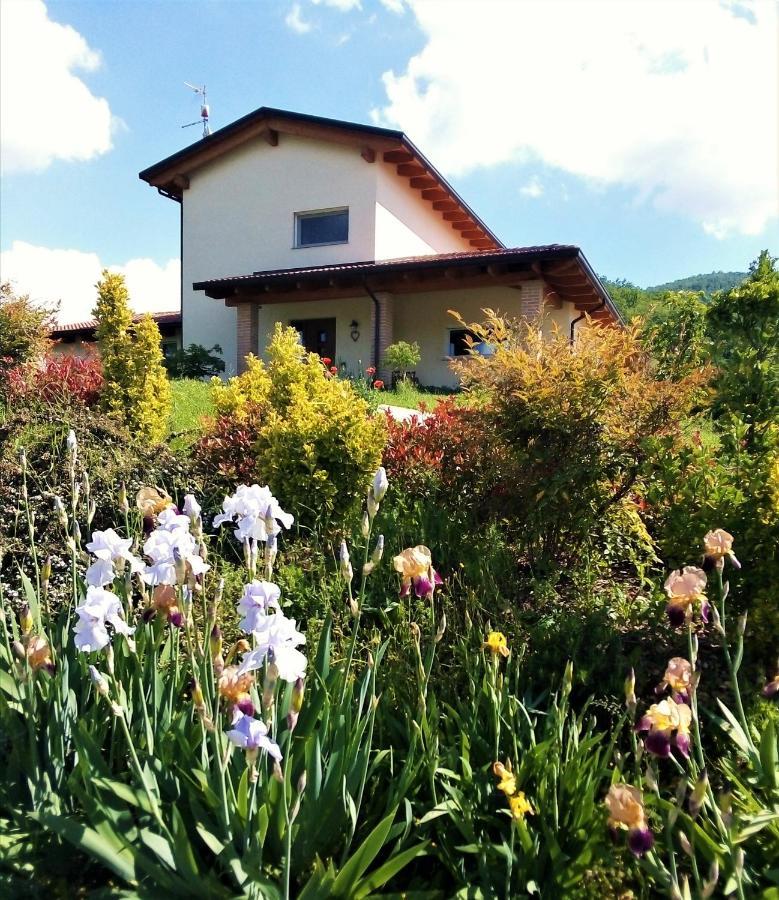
[532, 300]
[247, 333]
[386, 327]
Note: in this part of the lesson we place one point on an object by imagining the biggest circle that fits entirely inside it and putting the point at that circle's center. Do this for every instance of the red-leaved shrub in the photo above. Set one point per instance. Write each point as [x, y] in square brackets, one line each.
[56, 378]
[227, 452]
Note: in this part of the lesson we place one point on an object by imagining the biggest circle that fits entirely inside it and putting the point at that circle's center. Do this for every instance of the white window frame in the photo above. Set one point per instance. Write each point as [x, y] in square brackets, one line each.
[314, 213]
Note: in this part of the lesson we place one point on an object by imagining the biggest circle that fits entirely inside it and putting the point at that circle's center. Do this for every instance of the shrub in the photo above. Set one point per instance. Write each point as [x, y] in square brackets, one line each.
[136, 386]
[57, 378]
[24, 330]
[195, 361]
[402, 357]
[572, 426]
[313, 440]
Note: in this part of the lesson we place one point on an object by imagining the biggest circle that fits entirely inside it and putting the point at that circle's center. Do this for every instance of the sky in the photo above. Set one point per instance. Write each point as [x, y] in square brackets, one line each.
[644, 132]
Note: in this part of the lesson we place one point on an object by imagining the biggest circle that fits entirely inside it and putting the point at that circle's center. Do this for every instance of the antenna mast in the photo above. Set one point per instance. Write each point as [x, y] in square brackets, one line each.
[201, 91]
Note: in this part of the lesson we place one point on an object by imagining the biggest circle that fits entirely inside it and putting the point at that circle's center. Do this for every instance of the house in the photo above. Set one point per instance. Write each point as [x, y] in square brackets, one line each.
[350, 234]
[78, 338]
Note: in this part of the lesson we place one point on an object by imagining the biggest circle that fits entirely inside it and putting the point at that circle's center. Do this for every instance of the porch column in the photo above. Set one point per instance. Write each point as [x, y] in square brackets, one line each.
[247, 333]
[532, 300]
[386, 314]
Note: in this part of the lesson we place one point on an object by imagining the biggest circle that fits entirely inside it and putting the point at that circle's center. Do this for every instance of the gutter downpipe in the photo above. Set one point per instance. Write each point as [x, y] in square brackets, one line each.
[376, 325]
[584, 315]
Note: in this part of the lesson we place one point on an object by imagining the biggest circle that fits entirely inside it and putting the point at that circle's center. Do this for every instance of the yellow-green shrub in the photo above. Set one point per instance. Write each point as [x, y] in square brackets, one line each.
[136, 388]
[314, 439]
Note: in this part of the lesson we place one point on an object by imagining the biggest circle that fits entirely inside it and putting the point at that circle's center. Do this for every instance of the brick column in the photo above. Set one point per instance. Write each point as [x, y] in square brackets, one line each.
[532, 300]
[386, 327]
[247, 333]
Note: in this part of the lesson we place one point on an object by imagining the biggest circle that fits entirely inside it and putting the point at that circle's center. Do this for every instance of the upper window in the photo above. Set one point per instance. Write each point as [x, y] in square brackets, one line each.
[325, 226]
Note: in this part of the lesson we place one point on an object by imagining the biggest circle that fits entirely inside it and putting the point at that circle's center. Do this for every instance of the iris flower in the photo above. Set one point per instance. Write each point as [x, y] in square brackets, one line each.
[496, 643]
[718, 546]
[415, 566]
[111, 552]
[255, 512]
[685, 589]
[259, 598]
[625, 806]
[99, 609]
[173, 551]
[519, 806]
[667, 725]
[37, 652]
[678, 677]
[234, 686]
[252, 735]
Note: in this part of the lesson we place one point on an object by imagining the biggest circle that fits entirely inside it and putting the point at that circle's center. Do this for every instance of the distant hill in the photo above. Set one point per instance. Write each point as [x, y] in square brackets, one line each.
[708, 283]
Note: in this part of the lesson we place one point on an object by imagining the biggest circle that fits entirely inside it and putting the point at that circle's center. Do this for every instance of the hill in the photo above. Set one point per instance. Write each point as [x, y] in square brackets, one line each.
[708, 283]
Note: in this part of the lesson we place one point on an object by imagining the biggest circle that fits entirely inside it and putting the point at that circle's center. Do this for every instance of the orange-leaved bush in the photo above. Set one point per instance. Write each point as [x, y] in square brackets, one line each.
[313, 440]
[572, 423]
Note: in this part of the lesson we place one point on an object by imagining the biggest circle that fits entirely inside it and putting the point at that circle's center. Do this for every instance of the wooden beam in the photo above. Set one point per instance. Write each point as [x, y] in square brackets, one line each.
[423, 181]
[462, 224]
[411, 169]
[482, 243]
[444, 205]
[435, 194]
[272, 137]
[474, 233]
[368, 154]
[456, 216]
[398, 156]
[180, 181]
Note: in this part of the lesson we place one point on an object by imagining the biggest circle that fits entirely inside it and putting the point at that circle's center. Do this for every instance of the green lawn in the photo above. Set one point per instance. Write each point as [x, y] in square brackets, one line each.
[191, 401]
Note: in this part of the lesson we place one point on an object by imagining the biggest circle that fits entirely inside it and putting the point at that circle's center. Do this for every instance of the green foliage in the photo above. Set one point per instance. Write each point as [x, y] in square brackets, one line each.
[149, 392]
[676, 335]
[136, 388]
[195, 361]
[24, 329]
[708, 284]
[402, 356]
[315, 443]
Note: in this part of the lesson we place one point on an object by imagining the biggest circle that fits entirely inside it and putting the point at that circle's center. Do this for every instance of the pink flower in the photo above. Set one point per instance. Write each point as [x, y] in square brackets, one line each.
[685, 588]
[717, 545]
[667, 725]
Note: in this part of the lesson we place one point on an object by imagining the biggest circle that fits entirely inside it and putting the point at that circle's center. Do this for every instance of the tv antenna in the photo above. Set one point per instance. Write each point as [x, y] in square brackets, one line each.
[201, 91]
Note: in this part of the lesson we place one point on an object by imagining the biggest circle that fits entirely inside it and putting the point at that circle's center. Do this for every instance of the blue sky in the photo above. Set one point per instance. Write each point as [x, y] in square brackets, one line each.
[636, 141]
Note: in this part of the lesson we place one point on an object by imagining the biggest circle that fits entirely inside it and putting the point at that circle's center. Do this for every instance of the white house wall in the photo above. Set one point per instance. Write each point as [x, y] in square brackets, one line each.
[239, 218]
[406, 224]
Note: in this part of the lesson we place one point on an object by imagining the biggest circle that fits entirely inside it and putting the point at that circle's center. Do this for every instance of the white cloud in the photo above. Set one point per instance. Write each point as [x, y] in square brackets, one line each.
[294, 20]
[533, 188]
[677, 101]
[47, 111]
[341, 5]
[395, 6]
[69, 276]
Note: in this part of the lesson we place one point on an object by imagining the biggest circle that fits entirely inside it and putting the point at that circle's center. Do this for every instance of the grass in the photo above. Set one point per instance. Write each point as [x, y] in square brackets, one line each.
[412, 397]
[191, 401]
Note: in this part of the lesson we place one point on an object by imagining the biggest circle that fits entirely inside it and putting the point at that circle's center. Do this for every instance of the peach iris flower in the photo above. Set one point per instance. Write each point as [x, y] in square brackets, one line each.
[235, 688]
[668, 725]
[625, 807]
[678, 677]
[685, 588]
[415, 566]
[717, 545]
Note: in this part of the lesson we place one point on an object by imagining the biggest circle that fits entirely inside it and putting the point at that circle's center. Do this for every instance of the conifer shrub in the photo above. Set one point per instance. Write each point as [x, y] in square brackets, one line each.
[313, 439]
[136, 388]
[24, 331]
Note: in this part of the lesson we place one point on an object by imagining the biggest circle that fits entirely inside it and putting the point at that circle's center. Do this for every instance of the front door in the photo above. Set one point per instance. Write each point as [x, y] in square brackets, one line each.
[317, 336]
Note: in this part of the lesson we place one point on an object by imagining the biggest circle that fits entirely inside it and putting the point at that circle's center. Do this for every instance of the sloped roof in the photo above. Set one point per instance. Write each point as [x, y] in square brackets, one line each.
[161, 318]
[563, 267]
[171, 175]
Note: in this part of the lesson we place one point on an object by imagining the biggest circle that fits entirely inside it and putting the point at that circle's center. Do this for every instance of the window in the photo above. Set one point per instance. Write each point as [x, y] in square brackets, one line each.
[326, 226]
[317, 336]
[457, 342]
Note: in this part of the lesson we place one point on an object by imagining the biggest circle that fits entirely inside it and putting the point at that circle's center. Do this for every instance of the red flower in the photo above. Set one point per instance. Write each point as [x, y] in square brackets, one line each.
[378, 384]
[333, 370]
[326, 360]
[371, 370]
